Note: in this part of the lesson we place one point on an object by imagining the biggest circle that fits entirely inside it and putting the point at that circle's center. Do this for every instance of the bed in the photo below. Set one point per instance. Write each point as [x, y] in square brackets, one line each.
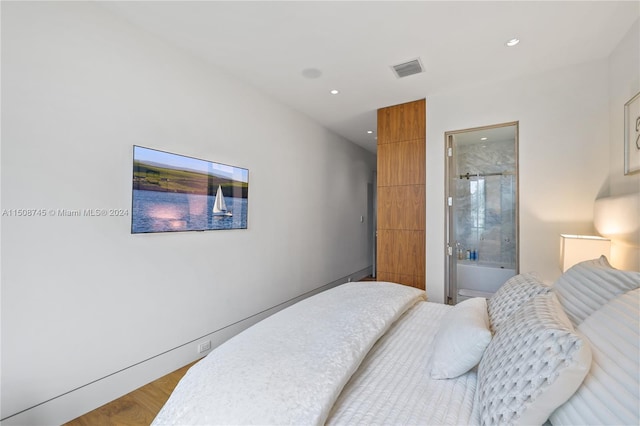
[379, 353]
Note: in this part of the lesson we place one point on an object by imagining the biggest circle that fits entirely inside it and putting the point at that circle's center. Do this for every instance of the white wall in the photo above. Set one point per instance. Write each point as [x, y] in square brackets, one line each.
[570, 153]
[624, 83]
[82, 298]
[563, 158]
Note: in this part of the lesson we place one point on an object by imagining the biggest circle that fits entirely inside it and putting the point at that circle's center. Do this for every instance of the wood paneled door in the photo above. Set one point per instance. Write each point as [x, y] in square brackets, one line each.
[401, 194]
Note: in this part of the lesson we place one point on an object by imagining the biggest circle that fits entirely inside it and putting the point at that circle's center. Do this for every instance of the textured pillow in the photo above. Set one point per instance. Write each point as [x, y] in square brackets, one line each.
[461, 340]
[588, 285]
[513, 294]
[610, 394]
[533, 364]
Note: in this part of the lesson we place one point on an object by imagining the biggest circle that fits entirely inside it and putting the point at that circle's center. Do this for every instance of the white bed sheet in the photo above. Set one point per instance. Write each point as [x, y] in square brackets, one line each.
[393, 385]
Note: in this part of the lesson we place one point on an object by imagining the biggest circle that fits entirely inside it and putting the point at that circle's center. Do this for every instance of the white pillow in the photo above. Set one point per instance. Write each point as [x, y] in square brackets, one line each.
[610, 394]
[588, 285]
[513, 294]
[461, 340]
[533, 364]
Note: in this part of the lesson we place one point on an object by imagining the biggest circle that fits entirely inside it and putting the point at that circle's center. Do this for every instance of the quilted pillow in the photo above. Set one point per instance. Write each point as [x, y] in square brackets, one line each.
[461, 339]
[533, 364]
[513, 294]
[588, 285]
[610, 393]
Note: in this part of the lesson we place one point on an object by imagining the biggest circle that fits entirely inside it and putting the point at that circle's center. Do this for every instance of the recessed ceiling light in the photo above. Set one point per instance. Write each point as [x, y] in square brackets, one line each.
[483, 139]
[335, 92]
[513, 42]
[370, 131]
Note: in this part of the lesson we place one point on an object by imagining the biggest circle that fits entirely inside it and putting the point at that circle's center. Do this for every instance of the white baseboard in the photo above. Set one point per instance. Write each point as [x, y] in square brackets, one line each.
[90, 396]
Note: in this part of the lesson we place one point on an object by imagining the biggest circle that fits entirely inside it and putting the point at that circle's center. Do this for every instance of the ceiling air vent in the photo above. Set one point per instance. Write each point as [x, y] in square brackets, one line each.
[408, 68]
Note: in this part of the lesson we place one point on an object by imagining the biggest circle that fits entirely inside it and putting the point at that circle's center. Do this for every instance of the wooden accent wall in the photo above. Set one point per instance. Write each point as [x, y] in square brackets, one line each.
[401, 194]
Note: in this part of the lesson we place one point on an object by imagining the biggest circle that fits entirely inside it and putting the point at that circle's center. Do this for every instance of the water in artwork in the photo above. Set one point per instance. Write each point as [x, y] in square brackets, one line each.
[155, 211]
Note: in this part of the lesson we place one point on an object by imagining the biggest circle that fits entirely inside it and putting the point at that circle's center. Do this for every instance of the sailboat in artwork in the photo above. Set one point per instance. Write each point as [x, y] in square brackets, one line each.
[220, 207]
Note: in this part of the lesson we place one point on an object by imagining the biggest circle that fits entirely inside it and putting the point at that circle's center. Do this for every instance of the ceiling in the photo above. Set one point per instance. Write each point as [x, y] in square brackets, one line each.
[353, 44]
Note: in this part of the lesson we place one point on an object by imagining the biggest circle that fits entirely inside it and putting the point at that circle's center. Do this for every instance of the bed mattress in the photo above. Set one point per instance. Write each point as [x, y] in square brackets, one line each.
[393, 384]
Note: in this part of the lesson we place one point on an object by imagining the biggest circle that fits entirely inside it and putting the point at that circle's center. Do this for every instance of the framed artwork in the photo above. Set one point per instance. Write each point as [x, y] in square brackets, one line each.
[632, 135]
[172, 192]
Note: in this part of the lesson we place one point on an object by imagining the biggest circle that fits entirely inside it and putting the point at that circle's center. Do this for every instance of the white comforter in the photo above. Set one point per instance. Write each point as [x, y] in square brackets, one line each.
[291, 367]
[393, 385]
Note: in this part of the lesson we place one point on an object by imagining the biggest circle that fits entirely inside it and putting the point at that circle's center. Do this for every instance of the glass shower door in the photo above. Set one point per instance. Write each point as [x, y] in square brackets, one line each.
[482, 249]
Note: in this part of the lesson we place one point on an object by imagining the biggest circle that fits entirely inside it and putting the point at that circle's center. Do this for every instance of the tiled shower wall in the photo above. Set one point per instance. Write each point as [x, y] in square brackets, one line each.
[484, 206]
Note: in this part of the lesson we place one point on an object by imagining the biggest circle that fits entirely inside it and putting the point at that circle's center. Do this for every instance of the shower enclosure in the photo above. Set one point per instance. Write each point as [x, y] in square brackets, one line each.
[482, 210]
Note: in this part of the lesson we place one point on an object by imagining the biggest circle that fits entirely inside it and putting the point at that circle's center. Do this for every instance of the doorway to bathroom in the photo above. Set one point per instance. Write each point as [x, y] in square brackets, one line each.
[481, 210]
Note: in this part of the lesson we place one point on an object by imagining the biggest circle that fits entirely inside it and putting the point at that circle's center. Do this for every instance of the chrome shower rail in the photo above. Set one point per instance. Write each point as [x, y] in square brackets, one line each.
[470, 175]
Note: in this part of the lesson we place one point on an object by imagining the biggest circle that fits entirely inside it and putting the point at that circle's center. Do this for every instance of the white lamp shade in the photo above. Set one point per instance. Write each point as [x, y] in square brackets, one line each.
[577, 248]
[619, 218]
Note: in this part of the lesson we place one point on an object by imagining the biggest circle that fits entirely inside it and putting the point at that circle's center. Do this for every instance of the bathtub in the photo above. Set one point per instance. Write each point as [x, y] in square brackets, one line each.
[479, 279]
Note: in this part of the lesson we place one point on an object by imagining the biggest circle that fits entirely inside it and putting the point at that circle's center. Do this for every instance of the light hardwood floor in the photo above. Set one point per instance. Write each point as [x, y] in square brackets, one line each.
[136, 408]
